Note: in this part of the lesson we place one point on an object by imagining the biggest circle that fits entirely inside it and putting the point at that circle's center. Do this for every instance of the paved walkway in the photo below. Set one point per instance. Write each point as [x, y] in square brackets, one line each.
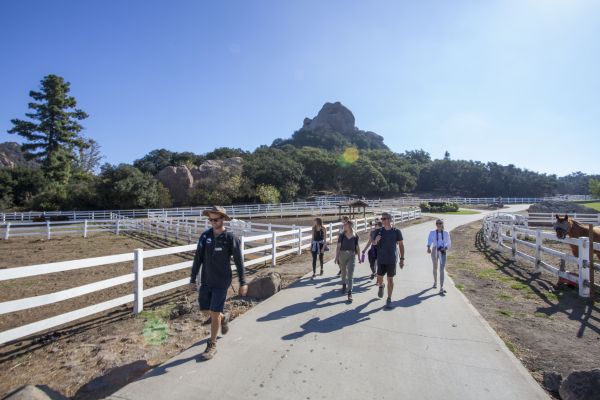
[306, 342]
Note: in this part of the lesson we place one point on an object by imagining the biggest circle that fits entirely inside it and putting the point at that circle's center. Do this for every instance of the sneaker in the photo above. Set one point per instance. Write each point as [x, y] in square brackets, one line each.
[435, 285]
[388, 303]
[442, 291]
[339, 272]
[211, 350]
[321, 271]
[372, 276]
[343, 288]
[380, 291]
[349, 297]
[225, 323]
[313, 277]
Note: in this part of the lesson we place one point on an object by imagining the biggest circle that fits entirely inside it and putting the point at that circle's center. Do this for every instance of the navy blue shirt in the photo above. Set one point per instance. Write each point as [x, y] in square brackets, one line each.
[387, 248]
[214, 255]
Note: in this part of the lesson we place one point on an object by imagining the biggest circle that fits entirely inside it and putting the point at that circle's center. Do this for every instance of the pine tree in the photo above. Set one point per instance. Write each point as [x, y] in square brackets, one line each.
[53, 135]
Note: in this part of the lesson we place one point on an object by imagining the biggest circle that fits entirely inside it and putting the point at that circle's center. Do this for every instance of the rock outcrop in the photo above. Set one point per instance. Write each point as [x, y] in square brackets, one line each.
[181, 180]
[333, 129]
[265, 285]
[333, 117]
[12, 156]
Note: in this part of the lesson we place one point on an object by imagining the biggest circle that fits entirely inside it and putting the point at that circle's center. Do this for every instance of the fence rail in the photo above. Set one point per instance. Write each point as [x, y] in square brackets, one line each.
[325, 206]
[497, 230]
[259, 248]
[550, 218]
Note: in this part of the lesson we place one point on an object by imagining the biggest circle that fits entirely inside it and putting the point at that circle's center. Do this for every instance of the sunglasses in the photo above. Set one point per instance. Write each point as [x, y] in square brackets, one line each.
[214, 219]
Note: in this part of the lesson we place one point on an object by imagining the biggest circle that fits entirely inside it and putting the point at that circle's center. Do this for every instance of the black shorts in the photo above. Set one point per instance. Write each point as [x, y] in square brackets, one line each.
[211, 298]
[389, 269]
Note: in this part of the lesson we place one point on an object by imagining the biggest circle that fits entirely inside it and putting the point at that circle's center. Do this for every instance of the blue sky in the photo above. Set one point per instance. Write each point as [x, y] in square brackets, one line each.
[512, 81]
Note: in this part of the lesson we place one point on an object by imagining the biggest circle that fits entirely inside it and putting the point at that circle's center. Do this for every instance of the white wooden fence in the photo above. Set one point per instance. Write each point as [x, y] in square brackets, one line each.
[257, 249]
[321, 207]
[550, 218]
[511, 237]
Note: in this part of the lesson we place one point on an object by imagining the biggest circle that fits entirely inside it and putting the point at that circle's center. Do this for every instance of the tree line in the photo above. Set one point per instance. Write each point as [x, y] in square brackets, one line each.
[67, 173]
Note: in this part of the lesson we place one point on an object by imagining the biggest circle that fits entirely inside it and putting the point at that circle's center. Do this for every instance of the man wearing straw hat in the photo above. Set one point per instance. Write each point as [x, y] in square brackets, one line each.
[216, 246]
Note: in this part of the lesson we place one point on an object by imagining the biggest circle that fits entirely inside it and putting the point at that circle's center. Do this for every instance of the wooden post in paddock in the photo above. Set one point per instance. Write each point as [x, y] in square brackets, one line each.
[592, 285]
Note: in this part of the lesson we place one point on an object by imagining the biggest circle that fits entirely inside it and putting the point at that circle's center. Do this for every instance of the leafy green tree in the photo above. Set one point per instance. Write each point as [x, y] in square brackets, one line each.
[154, 161]
[125, 186]
[362, 178]
[271, 166]
[594, 186]
[18, 186]
[225, 152]
[53, 132]
[267, 194]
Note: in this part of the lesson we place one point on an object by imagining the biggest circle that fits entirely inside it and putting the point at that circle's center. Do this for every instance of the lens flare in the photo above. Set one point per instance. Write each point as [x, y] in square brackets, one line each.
[348, 157]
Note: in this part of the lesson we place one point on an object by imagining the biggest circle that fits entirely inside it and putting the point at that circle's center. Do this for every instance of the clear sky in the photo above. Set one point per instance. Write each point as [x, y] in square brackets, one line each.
[512, 81]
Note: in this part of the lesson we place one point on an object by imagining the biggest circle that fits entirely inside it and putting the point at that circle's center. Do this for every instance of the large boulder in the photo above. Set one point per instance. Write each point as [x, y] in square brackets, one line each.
[333, 117]
[215, 169]
[265, 285]
[552, 381]
[581, 385]
[179, 181]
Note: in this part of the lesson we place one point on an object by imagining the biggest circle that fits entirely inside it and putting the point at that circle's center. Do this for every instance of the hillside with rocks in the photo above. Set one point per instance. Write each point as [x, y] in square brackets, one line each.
[11, 156]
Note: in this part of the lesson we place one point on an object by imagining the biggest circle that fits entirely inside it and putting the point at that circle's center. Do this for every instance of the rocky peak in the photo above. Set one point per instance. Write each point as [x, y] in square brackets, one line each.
[333, 117]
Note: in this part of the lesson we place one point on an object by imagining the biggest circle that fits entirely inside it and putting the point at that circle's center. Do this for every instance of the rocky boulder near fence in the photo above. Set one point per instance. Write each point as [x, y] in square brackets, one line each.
[265, 285]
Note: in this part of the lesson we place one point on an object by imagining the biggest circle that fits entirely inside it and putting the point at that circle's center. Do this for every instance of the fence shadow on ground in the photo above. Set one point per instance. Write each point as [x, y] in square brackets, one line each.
[568, 303]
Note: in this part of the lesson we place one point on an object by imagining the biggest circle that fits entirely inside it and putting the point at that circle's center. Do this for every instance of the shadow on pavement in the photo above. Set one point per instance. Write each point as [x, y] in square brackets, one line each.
[335, 322]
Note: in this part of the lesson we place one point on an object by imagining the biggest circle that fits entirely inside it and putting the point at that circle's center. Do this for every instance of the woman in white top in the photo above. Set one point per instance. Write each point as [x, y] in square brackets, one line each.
[438, 244]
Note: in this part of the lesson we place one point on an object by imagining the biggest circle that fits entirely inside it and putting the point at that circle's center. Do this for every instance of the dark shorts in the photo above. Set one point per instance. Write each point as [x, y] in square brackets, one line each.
[389, 269]
[211, 298]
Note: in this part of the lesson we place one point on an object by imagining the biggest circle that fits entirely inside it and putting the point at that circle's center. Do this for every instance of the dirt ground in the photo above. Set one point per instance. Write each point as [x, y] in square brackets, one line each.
[546, 325]
[93, 357]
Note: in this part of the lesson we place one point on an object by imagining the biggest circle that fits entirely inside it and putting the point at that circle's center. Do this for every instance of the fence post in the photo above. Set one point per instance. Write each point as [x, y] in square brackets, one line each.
[138, 283]
[177, 231]
[538, 249]
[513, 233]
[499, 233]
[591, 262]
[584, 268]
[242, 246]
[299, 241]
[206, 224]
[85, 228]
[331, 233]
[118, 227]
[273, 249]
[48, 229]
[7, 231]
[270, 228]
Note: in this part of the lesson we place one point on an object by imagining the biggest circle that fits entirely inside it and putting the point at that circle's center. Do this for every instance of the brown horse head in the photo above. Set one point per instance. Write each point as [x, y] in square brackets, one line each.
[562, 226]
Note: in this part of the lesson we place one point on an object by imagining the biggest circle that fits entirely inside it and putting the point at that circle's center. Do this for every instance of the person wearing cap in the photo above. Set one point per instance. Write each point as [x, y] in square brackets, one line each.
[438, 243]
[216, 247]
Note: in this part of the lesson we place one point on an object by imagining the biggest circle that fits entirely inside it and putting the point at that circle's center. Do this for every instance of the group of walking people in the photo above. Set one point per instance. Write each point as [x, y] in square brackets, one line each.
[384, 251]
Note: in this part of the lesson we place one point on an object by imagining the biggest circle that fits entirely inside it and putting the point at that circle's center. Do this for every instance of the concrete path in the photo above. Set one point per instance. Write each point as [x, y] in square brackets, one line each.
[306, 342]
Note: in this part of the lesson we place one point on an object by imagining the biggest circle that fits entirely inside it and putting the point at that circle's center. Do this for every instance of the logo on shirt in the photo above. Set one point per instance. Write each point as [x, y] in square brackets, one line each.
[209, 240]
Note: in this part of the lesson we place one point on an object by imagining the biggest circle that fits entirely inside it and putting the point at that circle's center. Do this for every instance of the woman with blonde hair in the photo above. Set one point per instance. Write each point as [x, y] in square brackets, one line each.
[346, 253]
[317, 246]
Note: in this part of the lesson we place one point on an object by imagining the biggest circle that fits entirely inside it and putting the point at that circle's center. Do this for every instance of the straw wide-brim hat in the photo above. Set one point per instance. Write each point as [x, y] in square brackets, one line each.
[217, 210]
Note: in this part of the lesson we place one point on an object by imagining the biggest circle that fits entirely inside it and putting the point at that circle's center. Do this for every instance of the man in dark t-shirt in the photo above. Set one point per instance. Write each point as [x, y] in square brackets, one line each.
[216, 247]
[389, 243]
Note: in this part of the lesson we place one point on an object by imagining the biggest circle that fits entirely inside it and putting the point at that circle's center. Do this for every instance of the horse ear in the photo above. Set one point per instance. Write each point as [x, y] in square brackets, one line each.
[566, 216]
[557, 217]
